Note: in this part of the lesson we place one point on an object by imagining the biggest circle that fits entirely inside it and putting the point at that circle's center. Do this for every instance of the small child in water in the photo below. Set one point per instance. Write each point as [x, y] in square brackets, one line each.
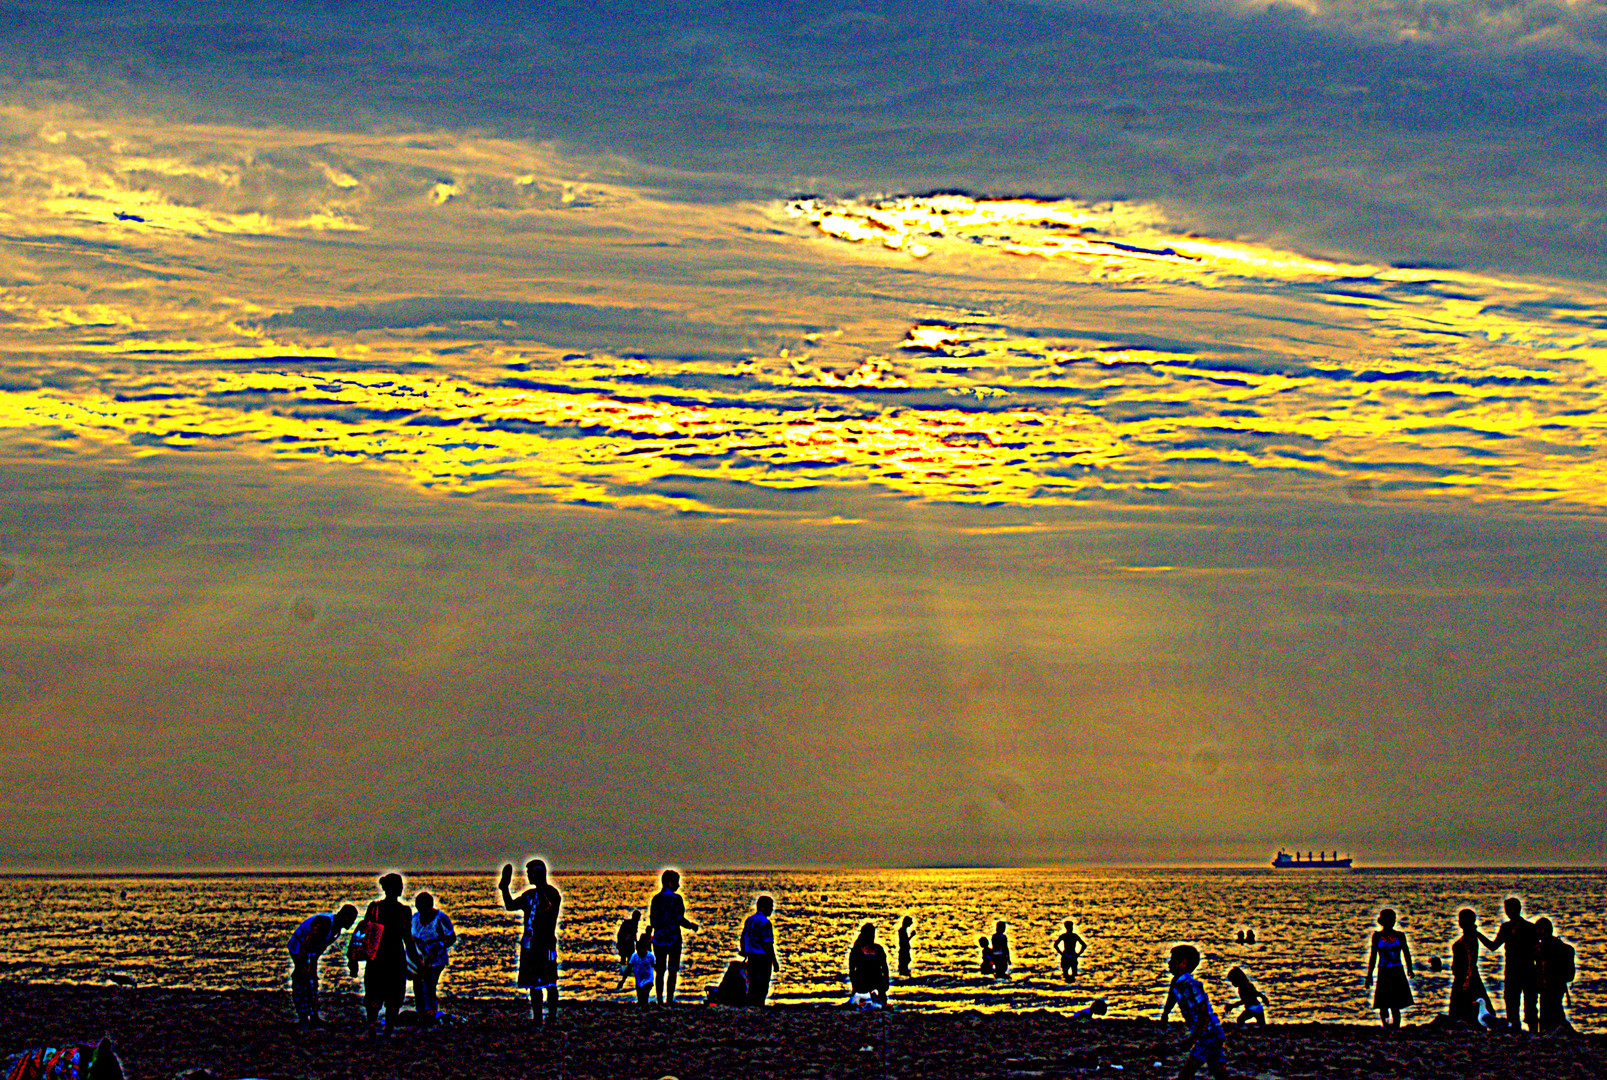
[987, 955]
[1204, 1042]
[1251, 1000]
[1086, 1014]
[641, 965]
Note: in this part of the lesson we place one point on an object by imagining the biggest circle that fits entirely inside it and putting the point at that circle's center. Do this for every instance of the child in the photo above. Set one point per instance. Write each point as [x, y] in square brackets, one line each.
[1393, 959]
[987, 955]
[1204, 1042]
[1250, 999]
[1086, 1014]
[641, 966]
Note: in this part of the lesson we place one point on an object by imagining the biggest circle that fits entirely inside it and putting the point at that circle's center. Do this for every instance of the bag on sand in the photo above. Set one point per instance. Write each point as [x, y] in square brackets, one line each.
[82, 1062]
[364, 941]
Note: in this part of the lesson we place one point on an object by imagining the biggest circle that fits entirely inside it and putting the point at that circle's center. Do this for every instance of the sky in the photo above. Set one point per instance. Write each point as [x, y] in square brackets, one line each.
[770, 434]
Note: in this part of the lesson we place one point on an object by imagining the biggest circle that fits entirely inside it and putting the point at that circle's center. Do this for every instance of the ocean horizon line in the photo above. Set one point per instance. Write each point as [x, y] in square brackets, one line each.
[491, 870]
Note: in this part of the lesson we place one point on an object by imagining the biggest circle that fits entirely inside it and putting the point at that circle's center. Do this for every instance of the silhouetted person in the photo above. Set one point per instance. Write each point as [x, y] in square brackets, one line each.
[1517, 937]
[307, 943]
[385, 976]
[1249, 937]
[1239, 937]
[1001, 950]
[1091, 1011]
[434, 936]
[538, 943]
[666, 915]
[1205, 1037]
[1392, 957]
[1553, 971]
[1070, 946]
[1467, 987]
[987, 955]
[759, 950]
[867, 966]
[904, 935]
[630, 930]
[1252, 1001]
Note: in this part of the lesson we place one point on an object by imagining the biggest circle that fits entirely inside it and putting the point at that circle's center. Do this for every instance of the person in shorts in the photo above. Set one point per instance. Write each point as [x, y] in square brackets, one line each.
[538, 944]
[315, 934]
[666, 917]
[1204, 1041]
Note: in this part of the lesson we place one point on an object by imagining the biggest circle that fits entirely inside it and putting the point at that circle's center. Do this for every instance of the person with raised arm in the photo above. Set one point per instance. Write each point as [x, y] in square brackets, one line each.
[538, 944]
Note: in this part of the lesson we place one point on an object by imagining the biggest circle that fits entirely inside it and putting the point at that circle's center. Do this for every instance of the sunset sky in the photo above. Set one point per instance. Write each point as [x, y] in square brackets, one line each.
[771, 433]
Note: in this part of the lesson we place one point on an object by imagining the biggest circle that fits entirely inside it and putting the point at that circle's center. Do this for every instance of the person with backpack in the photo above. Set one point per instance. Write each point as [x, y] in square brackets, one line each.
[1553, 970]
[384, 952]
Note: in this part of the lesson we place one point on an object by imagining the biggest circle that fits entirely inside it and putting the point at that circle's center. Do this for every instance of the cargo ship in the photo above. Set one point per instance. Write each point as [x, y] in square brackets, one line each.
[1322, 860]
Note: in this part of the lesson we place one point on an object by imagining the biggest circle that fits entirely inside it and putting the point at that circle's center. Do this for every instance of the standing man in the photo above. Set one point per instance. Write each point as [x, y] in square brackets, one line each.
[1517, 936]
[904, 935]
[665, 917]
[315, 934]
[538, 945]
[759, 950]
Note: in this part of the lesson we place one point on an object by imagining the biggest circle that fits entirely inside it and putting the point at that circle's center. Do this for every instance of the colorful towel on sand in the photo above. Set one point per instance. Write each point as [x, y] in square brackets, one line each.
[82, 1062]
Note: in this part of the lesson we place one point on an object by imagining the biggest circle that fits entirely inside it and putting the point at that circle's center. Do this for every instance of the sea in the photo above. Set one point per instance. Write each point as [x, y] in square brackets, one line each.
[229, 931]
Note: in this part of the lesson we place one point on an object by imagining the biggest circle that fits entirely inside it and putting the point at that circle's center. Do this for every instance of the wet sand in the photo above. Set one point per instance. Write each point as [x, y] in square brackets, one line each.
[165, 1033]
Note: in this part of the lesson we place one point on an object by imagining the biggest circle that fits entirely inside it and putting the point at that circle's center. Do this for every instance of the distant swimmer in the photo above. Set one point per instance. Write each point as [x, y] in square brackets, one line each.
[1070, 946]
[1392, 957]
[1249, 937]
[904, 935]
[1252, 1001]
[987, 955]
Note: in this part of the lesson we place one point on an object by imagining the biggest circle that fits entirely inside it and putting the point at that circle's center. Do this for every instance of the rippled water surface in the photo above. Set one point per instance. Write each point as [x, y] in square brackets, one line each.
[230, 931]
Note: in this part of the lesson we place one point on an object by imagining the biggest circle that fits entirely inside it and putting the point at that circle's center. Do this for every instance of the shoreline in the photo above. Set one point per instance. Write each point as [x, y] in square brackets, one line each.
[162, 1033]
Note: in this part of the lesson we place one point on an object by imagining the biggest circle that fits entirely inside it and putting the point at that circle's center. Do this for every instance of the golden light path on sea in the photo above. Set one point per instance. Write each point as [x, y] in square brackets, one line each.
[481, 316]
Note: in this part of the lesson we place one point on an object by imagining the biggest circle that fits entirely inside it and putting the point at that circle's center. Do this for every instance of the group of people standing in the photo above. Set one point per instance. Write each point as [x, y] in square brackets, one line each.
[1539, 967]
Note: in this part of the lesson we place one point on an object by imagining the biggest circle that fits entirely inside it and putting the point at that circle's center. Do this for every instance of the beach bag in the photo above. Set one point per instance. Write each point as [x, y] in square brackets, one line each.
[82, 1062]
[364, 942]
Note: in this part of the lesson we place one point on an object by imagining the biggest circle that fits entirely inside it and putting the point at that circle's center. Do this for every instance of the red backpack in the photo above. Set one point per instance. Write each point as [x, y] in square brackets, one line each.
[364, 941]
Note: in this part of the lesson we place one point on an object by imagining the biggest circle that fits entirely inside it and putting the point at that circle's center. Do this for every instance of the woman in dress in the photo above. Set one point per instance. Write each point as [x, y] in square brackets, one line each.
[1467, 988]
[1392, 957]
[434, 936]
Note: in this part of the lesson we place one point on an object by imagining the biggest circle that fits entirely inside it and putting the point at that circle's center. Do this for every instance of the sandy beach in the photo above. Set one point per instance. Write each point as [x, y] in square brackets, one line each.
[166, 1033]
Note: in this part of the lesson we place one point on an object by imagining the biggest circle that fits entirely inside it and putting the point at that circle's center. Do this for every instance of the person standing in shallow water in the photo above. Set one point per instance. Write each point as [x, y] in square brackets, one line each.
[1070, 946]
[759, 950]
[867, 966]
[666, 917]
[434, 935]
[1392, 958]
[538, 944]
[904, 935]
[385, 976]
[1517, 937]
[1467, 987]
[1001, 950]
[315, 934]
